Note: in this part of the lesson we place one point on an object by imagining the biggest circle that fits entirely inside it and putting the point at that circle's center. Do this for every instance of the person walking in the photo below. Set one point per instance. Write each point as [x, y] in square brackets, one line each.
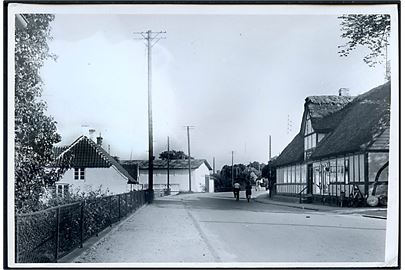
[236, 190]
[248, 191]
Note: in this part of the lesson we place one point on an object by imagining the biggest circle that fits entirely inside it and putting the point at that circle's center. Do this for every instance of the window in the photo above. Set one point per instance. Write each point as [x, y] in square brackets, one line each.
[340, 170]
[59, 190]
[320, 136]
[62, 190]
[356, 168]
[308, 127]
[79, 174]
[361, 170]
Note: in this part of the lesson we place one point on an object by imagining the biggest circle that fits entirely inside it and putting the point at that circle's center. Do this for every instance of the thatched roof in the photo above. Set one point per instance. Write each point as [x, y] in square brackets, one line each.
[364, 119]
[293, 153]
[353, 124]
[323, 111]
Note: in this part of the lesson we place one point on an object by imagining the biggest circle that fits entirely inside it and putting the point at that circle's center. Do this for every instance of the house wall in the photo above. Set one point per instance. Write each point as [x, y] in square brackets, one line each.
[291, 179]
[110, 179]
[178, 177]
[334, 175]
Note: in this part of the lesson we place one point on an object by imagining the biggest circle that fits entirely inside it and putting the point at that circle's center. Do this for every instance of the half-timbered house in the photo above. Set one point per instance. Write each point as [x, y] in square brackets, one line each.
[342, 145]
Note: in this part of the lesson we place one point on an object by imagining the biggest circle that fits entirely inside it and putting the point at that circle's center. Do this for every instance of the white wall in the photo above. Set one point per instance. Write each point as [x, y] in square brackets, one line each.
[108, 178]
[178, 176]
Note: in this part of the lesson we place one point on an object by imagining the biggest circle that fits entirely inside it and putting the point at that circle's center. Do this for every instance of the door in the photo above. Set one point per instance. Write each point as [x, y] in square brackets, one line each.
[310, 176]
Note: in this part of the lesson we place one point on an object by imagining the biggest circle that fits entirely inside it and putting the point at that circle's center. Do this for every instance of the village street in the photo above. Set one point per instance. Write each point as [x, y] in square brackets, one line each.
[213, 227]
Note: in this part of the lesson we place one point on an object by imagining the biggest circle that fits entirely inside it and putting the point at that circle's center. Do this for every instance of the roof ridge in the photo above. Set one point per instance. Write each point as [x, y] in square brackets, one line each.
[70, 146]
[96, 147]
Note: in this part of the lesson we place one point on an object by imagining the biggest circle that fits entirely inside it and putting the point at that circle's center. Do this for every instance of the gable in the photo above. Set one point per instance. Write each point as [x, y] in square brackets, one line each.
[84, 153]
[363, 121]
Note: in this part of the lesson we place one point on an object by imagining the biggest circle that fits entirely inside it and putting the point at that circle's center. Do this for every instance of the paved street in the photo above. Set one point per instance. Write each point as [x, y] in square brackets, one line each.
[216, 228]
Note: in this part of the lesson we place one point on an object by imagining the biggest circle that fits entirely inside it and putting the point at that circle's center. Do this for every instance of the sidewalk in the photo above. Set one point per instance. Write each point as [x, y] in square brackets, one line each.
[372, 212]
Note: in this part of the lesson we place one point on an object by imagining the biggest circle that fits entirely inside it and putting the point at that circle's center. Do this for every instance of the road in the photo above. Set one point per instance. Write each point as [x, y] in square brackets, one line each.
[216, 228]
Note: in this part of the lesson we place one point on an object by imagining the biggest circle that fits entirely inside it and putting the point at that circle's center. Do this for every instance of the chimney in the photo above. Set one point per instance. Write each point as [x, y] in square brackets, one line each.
[91, 134]
[343, 92]
[99, 140]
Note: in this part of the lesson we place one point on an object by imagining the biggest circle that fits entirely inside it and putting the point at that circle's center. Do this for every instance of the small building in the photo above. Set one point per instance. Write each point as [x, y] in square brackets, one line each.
[178, 174]
[343, 144]
[91, 168]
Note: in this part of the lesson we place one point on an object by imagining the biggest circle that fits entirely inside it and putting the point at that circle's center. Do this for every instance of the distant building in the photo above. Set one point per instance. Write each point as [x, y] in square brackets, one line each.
[342, 144]
[178, 174]
[91, 168]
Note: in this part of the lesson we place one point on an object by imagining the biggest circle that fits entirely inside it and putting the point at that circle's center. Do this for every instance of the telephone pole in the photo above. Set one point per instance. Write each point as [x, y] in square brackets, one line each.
[213, 164]
[269, 147]
[232, 169]
[168, 165]
[189, 159]
[151, 39]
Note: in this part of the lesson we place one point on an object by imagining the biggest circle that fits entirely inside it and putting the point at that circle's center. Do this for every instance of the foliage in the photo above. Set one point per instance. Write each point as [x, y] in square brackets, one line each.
[173, 154]
[241, 173]
[266, 171]
[371, 31]
[74, 196]
[35, 132]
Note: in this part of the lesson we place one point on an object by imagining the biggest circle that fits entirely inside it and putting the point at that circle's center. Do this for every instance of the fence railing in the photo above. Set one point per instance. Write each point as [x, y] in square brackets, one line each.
[47, 235]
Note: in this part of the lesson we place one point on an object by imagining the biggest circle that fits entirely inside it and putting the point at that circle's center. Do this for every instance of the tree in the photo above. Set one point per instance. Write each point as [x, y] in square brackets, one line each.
[173, 154]
[371, 31]
[35, 132]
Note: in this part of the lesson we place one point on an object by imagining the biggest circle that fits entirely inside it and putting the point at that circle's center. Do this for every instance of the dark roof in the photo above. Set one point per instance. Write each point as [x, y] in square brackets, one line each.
[83, 152]
[293, 153]
[364, 119]
[353, 124]
[323, 111]
[162, 164]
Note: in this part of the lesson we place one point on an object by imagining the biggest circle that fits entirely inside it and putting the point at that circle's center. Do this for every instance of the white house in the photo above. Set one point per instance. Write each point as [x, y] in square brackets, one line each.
[178, 174]
[91, 168]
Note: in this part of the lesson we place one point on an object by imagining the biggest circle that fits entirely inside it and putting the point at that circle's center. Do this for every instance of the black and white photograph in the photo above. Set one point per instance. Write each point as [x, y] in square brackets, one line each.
[201, 135]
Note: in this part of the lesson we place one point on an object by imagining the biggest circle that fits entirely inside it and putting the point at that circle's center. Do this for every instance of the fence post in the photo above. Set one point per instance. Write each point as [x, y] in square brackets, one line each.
[16, 239]
[82, 223]
[110, 199]
[126, 204]
[119, 206]
[57, 233]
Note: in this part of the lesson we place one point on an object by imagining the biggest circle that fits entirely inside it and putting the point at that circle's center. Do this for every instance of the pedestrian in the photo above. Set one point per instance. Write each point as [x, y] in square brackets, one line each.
[236, 189]
[248, 191]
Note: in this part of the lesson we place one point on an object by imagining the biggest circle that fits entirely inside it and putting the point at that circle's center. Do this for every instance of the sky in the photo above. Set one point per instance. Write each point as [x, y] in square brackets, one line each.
[235, 78]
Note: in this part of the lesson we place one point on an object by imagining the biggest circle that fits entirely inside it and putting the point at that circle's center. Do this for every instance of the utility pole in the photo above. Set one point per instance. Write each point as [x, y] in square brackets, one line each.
[168, 164]
[232, 169]
[213, 164]
[189, 160]
[151, 39]
[269, 147]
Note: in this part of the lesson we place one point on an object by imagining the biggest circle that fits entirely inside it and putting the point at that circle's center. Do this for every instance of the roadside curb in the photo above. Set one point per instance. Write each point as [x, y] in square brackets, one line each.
[373, 216]
[95, 240]
[259, 200]
[340, 211]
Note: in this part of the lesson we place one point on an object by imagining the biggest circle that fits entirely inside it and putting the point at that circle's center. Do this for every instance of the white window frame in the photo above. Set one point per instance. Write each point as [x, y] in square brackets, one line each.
[79, 174]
